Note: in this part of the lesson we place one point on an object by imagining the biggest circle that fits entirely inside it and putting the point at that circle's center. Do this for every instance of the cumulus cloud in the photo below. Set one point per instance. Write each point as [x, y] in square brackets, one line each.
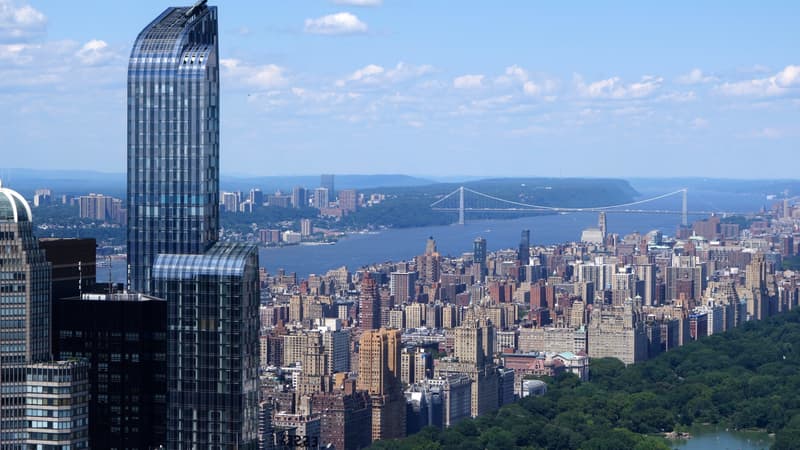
[468, 81]
[359, 2]
[695, 76]
[20, 23]
[94, 52]
[335, 24]
[266, 76]
[615, 88]
[533, 86]
[375, 74]
[781, 83]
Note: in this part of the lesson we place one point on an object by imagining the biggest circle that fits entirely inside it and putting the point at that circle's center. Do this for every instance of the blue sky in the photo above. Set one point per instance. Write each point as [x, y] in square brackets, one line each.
[423, 87]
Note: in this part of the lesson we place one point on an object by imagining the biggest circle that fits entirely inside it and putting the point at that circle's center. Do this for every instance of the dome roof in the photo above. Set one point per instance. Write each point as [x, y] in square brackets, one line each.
[13, 207]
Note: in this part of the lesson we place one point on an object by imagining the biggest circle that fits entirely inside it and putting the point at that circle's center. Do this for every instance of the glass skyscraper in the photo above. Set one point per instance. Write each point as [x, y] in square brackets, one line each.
[211, 288]
[173, 139]
[212, 346]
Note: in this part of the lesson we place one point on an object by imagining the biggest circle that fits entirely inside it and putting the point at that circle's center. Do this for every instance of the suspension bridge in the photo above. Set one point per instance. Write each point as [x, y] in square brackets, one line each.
[464, 200]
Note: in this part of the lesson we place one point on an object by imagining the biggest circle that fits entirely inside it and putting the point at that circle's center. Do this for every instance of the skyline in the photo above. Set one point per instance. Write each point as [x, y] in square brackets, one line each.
[331, 87]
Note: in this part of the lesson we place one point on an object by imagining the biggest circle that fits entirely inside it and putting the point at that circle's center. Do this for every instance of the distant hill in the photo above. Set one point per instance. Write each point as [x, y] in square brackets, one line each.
[286, 183]
[73, 182]
[762, 187]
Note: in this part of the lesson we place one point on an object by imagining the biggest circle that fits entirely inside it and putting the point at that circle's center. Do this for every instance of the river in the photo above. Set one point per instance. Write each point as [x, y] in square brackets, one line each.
[357, 250]
[360, 249]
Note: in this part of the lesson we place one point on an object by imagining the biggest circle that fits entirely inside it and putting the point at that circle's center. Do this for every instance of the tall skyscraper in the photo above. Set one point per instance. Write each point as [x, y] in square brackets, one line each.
[173, 139]
[25, 283]
[211, 288]
[524, 254]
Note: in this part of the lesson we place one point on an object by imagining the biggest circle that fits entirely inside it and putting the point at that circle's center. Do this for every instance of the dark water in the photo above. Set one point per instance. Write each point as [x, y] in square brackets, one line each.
[357, 250]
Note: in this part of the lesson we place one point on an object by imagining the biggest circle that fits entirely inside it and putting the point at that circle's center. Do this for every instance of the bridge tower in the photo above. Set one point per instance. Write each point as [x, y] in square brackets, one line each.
[461, 205]
[685, 209]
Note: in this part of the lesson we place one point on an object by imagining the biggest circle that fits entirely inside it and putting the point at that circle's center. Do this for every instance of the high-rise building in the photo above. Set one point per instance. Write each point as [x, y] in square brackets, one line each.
[124, 338]
[479, 254]
[213, 346]
[299, 197]
[326, 181]
[25, 367]
[379, 374]
[369, 304]
[401, 286]
[524, 253]
[211, 289]
[57, 405]
[321, 198]
[348, 200]
[73, 262]
[173, 139]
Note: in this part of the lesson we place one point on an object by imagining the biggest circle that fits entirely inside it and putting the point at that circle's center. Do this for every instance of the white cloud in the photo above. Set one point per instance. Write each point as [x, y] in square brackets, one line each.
[695, 76]
[614, 88]
[512, 74]
[359, 2]
[94, 52]
[533, 86]
[375, 74]
[267, 76]
[468, 81]
[332, 24]
[20, 23]
[778, 84]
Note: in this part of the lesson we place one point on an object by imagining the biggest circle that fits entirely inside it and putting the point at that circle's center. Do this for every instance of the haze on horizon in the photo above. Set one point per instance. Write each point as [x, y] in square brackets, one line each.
[621, 89]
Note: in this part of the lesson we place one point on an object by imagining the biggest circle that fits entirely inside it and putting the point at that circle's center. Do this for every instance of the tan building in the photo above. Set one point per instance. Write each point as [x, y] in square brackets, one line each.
[379, 374]
[618, 332]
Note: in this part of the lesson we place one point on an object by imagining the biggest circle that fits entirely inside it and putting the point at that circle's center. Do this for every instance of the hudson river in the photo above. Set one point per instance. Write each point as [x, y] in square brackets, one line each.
[357, 250]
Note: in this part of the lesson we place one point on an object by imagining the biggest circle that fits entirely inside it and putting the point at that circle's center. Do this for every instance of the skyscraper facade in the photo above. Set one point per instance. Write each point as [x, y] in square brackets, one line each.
[212, 346]
[26, 372]
[211, 288]
[173, 139]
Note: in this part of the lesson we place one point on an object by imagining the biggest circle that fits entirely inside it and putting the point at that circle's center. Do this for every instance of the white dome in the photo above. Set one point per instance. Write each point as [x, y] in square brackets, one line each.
[13, 206]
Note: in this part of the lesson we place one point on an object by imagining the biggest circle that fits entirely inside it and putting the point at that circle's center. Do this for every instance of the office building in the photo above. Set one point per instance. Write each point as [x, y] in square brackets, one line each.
[123, 338]
[26, 373]
[73, 263]
[57, 405]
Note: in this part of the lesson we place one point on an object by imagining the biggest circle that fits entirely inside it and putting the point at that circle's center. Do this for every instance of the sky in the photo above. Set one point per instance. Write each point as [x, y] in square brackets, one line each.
[430, 87]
